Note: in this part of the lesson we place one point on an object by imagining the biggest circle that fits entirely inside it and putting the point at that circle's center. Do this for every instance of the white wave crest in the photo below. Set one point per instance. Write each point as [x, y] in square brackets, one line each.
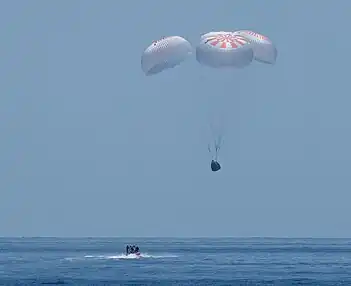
[122, 256]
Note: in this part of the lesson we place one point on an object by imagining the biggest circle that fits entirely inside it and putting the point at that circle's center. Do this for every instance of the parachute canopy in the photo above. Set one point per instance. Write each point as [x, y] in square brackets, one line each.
[164, 54]
[264, 49]
[224, 49]
[211, 34]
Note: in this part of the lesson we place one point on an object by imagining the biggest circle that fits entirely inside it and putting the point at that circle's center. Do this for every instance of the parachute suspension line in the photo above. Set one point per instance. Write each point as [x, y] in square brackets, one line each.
[216, 157]
[216, 121]
[218, 145]
[217, 142]
[209, 151]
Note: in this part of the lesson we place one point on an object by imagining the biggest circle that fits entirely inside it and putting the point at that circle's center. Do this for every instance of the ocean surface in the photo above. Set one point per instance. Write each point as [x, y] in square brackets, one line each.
[225, 261]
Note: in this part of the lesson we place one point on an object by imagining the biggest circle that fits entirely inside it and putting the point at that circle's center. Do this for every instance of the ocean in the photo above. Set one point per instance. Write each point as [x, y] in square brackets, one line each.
[175, 261]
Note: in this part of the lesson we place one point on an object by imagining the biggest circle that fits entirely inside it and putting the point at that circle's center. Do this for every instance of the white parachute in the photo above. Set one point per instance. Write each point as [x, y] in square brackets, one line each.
[224, 49]
[264, 49]
[164, 54]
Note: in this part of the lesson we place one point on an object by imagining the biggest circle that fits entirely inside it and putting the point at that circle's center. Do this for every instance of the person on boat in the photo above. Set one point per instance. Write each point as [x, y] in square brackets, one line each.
[127, 250]
[132, 249]
[137, 249]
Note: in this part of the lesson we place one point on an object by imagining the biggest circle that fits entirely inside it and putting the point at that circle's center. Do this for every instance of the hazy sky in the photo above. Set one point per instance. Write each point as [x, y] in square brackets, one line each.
[92, 147]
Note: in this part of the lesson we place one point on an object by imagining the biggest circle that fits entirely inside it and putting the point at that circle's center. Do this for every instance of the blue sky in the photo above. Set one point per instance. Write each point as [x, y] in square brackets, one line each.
[92, 147]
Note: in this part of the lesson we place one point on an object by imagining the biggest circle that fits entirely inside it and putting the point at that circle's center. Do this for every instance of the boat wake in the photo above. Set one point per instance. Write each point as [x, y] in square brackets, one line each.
[122, 257]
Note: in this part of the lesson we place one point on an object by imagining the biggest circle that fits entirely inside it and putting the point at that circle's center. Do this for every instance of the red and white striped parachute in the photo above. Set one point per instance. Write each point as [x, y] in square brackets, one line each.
[224, 49]
[264, 49]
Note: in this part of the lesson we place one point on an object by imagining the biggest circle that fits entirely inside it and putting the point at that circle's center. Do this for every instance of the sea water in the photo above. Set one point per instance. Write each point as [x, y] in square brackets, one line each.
[174, 261]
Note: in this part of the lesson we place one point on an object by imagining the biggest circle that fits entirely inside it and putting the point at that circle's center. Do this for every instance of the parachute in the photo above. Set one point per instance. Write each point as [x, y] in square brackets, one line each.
[166, 53]
[219, 50]
[263, 48]
[211, 34]
[224, 49]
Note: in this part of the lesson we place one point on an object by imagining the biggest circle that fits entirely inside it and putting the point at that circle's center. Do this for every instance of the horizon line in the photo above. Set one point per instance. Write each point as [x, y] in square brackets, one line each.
[183, 237]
